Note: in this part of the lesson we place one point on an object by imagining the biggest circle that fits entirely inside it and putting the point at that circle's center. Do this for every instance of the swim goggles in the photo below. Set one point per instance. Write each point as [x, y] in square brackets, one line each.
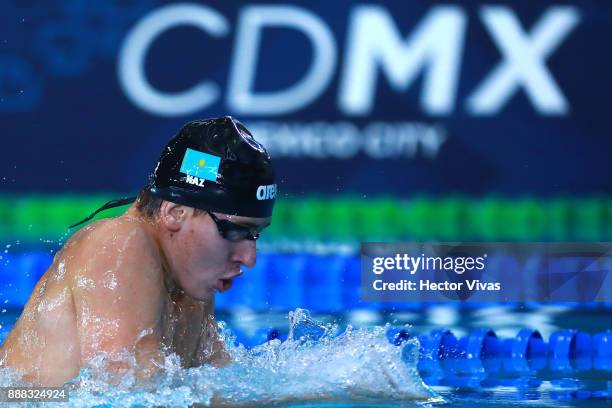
[234, 232]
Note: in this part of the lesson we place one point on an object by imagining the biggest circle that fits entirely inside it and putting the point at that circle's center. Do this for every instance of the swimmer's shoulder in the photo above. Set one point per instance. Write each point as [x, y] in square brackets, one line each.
[119, 233]
[115, 243]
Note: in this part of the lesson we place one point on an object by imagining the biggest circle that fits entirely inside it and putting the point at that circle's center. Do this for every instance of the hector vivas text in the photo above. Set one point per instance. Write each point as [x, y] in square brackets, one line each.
[412, 264]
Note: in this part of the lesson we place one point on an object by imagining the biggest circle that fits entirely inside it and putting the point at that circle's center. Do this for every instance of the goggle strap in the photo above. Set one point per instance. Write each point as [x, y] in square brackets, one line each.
[111, 204]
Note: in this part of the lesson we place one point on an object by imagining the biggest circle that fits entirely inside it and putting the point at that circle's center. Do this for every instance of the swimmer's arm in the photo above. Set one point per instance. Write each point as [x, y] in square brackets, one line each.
[118, 306]
[220, 356]
[212, 348]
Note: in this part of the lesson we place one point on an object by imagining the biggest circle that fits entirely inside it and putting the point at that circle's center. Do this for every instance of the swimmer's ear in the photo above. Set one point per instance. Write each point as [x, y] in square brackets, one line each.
[172, 215]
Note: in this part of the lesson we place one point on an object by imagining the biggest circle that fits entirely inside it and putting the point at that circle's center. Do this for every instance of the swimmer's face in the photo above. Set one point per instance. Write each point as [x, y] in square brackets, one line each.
[201, 260]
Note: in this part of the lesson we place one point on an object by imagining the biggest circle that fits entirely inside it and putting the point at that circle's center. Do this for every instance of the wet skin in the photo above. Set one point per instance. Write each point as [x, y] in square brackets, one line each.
[130, 284]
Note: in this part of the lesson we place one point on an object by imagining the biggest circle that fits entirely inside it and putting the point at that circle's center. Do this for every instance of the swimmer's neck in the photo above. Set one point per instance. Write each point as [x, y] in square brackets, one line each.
[175, 292]
[151, 229]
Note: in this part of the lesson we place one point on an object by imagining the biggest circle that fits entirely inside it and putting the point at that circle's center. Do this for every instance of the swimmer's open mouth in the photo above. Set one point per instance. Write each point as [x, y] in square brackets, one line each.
[224, 284]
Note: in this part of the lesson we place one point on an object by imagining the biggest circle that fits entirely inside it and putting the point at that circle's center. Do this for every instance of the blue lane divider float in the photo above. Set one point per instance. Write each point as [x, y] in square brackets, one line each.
[482, 360]
[480, 343]
[483, 344]
[602, 350]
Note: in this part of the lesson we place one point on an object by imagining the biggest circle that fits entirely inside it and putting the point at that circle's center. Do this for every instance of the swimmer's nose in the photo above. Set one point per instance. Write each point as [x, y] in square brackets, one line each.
[246, 253]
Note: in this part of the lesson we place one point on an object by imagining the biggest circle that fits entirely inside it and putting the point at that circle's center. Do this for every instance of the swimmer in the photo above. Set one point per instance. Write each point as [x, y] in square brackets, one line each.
[144, 283]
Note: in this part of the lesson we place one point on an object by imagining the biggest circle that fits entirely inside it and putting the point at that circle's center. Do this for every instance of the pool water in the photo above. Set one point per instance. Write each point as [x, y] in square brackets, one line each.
[353, 359]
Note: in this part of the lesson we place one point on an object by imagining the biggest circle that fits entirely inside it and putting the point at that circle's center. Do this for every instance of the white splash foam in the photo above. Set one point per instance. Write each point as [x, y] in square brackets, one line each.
[315, 363]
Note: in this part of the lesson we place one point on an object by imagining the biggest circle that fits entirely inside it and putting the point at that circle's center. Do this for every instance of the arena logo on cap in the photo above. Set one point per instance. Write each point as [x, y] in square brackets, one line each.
[267, 192]
[200, 166]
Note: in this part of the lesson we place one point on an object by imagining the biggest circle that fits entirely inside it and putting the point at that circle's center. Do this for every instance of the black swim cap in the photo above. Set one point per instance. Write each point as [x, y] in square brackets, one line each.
[216, 165]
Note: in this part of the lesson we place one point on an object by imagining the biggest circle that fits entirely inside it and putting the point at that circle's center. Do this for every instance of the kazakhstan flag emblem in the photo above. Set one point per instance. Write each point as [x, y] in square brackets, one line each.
[201, 165]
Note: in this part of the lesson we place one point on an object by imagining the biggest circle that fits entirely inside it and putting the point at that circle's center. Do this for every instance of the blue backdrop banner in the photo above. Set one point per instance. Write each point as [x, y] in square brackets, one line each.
[389, 97]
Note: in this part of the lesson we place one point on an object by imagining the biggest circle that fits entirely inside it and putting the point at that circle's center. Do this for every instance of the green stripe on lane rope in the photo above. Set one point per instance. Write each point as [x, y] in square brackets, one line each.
[354, 218]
